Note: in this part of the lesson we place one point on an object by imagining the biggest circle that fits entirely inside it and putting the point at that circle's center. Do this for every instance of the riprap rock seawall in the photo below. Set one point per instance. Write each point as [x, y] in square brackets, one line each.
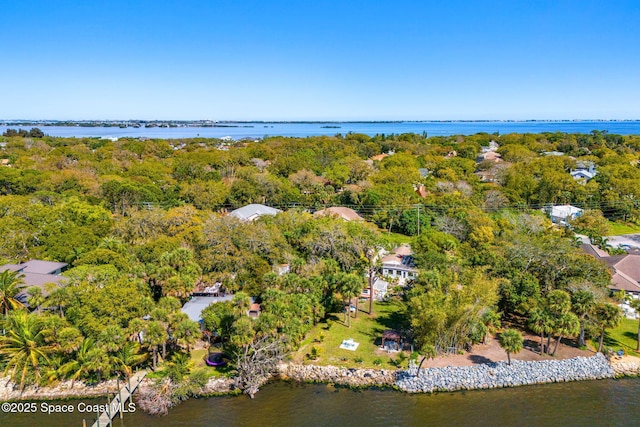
[500, 374]
[338, 375]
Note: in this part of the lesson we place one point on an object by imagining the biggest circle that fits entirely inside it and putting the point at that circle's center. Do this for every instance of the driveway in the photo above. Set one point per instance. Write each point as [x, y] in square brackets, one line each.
[630, 240]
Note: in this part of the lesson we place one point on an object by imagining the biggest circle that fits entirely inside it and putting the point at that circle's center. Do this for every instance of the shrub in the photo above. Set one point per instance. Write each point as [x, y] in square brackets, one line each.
[315, 353]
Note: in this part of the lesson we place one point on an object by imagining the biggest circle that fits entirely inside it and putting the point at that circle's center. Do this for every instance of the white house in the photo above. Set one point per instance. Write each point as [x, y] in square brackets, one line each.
[584, 171]
[253, 211]
[563, 213]
[399, 264]
[582, 175]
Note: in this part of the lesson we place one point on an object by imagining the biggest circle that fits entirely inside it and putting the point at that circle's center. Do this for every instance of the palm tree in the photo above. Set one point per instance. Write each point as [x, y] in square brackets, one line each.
[511, 342]
[11, 285]
[23, 346]
[128, 357]
[58, 297]
[583, 303]
[607, 315]
[491, 321]
[187, 332]
[135, 328]
[89, 358]
[350, 286]
[567, 325]
[69, 339]
[163, 316]
[112, 338]
[35, 297]
[541, 323]
[635, 304]
[179, 366]
[155, 335]
[558, 304]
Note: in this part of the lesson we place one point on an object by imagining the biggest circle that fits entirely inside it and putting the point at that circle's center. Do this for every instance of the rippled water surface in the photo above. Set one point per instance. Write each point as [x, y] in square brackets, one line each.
[587, 403]
[259, 130]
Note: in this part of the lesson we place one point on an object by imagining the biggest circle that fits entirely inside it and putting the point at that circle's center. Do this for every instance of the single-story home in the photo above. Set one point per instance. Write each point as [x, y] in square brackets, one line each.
[38, 273]
[562, 214]
[193, 308]
[625, 269]
[582, 174]
[346, 214]
[253, 211]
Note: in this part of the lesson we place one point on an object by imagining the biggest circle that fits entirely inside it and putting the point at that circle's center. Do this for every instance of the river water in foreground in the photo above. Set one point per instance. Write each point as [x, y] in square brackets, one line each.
[586, 403]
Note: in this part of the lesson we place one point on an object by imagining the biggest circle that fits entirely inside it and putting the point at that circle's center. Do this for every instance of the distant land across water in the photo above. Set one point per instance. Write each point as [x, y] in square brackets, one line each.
[238, 130]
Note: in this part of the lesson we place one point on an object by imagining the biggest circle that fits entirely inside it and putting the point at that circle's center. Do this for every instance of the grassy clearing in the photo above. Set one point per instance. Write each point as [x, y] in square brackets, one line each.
[327, 336]
[198, 356]
[394, 239]
[624, 337]
[618, 229]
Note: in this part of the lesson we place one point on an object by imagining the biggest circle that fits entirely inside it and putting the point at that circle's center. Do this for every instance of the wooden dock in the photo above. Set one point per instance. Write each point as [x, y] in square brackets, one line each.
[119, 401]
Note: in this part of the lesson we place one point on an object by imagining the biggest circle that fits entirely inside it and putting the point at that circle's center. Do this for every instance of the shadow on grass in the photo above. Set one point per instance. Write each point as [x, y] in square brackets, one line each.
[392, 319]
[612, 342]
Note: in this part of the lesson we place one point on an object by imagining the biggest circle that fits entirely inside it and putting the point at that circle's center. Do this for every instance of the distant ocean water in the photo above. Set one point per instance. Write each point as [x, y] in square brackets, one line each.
[260, 130]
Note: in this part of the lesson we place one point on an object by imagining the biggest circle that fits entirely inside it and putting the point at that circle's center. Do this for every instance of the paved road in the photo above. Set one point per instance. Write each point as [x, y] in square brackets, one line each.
[631, 240]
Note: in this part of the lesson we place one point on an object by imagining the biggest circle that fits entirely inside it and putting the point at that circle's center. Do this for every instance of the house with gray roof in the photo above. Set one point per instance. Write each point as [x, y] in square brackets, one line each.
[253, 211]
[38, 273]
[193, 308]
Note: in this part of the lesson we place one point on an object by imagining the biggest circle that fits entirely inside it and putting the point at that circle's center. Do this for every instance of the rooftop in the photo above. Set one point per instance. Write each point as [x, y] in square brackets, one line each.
[253, 211]
[347, 214]
[193, 308]
[626, 268]
[38, 273]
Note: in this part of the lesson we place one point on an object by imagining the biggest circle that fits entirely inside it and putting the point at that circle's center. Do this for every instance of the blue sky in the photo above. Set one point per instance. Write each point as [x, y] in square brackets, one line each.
[323, 60]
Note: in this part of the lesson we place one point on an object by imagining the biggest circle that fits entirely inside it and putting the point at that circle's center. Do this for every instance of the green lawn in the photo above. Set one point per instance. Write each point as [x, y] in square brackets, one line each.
[198, 356]
[618, 229]
[327, 337]
[394, 239]
[624, 337]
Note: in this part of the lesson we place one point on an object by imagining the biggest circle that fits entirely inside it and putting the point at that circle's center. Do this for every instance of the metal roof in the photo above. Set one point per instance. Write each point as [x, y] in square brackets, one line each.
[194, 307]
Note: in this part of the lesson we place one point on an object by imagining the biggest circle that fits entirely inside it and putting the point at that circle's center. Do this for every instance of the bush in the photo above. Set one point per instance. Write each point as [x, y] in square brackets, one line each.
[358, 360]
[315, 353]
[377, 362]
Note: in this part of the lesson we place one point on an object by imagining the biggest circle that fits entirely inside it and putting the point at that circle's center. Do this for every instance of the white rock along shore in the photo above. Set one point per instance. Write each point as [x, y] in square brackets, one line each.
[451, 378]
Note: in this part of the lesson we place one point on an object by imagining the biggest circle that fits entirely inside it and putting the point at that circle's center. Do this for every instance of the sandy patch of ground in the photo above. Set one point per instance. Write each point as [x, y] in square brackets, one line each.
[492, 352]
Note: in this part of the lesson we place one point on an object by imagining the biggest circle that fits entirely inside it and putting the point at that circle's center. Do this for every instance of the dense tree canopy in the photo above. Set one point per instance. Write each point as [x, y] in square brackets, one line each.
[142, 222]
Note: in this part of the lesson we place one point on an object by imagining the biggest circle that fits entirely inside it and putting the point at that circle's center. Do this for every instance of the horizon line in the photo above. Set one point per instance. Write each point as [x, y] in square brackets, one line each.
[45, 121]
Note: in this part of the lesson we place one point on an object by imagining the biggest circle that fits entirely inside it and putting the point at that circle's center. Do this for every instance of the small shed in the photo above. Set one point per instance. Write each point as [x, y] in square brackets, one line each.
[391, 340]
[254, 310]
